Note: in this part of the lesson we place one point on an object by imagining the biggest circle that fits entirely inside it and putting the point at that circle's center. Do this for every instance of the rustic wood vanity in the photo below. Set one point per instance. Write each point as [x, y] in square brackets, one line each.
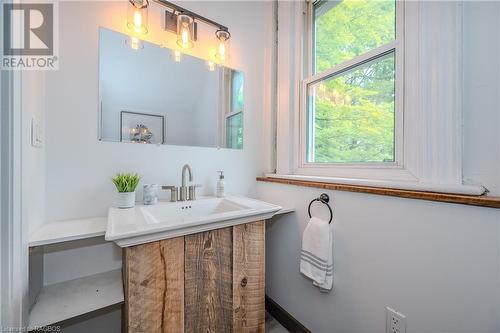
[210, 281]
[194, 266]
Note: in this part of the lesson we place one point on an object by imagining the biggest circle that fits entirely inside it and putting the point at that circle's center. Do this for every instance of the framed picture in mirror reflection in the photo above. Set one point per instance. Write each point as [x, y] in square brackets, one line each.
[138, 127]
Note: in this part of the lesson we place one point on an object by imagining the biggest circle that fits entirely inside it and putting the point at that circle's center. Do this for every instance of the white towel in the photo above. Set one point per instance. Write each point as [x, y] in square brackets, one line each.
[316, 257]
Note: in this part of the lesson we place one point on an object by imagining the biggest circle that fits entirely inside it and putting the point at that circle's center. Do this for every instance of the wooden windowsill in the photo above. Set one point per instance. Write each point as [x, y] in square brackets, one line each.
[472, 200]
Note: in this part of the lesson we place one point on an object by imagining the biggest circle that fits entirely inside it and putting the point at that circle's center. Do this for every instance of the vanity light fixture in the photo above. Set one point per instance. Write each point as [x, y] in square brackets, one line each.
[222, 44]
[184, 23]
[137, 16]
[137, 22]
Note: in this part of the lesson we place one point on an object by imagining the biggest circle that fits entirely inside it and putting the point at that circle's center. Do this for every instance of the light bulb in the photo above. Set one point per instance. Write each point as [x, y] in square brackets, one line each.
[137, 21]
[211, 65]
[222, 51]
[185, 36]
[137, 17]
[177, 55]
[135, 43]
[223, 44]
[184, 31]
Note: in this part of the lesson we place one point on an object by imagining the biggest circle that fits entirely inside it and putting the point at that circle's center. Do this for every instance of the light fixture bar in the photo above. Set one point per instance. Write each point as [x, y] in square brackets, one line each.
[195, 16]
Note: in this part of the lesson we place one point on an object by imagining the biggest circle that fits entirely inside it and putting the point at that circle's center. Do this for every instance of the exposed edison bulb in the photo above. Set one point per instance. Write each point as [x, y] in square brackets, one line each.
[184, 31]
[177, 56]
[137, 21]
[223, 36]
[185, 36]
[222, 51]
[135, 43]
[211, 65]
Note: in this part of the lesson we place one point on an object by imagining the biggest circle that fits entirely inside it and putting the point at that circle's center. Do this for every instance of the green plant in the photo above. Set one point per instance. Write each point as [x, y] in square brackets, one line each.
[126, 182]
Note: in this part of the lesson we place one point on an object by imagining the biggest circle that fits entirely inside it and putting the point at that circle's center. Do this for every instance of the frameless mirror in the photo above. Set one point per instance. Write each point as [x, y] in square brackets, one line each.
[146, 96]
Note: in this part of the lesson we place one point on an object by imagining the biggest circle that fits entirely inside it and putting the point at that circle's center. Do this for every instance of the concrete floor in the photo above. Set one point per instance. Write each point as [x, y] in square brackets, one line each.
[273, 326]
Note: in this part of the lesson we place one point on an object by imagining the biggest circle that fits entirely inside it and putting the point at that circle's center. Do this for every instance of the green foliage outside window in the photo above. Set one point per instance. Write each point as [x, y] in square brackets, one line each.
[234, 131]
[234, 121]
[353, 112]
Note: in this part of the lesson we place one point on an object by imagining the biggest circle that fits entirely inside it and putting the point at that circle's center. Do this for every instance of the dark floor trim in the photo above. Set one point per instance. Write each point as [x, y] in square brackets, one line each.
[284, 318]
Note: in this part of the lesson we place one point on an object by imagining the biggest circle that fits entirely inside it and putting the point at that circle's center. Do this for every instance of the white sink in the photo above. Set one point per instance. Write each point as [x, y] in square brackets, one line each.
[143, 224]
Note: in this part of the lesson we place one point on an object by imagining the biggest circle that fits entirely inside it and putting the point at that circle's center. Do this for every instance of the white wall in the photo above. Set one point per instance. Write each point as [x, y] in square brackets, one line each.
[33, 164]
[481, 98]
[33, 175]
[79, 167]
[436, 263]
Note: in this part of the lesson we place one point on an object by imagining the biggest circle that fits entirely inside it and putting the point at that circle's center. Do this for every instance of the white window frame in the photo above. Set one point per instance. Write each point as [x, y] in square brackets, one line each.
[226, 106]
[226, 117]
[362, 170]
[431, 154]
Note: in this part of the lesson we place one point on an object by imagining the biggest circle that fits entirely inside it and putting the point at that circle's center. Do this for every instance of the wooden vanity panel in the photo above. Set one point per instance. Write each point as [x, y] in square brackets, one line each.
[173, 311]
[208, 282]
[249, 277]
[154, 286]
[144, 286]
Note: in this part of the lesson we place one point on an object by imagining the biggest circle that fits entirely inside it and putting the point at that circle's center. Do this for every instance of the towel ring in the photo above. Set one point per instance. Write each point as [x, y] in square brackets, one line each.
[325, 199]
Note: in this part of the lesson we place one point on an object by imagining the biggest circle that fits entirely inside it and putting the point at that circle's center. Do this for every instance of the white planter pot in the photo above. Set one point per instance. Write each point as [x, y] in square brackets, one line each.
[125, 200]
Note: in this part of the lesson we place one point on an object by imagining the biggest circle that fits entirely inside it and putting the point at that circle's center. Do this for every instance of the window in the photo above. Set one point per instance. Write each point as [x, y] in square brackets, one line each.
[352, 110]
[234, 131]
[342, 69]
[234, 119]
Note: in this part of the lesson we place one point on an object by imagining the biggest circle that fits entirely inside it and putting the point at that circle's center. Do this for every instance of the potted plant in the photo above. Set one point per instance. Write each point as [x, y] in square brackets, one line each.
[126, 183]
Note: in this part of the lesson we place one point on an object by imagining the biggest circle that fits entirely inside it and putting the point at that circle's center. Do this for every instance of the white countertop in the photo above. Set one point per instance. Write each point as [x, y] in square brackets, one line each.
[63, 231]
[69, 230]
[133, 226]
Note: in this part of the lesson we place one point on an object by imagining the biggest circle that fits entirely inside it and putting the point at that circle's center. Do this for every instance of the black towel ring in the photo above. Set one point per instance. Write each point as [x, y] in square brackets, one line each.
[323, 198]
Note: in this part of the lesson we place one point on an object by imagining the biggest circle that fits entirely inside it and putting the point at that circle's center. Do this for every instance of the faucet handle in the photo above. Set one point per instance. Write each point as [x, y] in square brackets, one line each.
[192, 191]
[173, 192]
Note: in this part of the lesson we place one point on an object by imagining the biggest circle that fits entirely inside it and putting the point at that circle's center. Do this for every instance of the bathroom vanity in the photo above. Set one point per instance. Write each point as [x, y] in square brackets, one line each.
[193, 266]
[196, 265]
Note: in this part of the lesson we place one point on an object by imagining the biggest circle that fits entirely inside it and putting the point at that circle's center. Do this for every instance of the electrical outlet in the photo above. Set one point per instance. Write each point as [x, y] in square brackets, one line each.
[396, 322]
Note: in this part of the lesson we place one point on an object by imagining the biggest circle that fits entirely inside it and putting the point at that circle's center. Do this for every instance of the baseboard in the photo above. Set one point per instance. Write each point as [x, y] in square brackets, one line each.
[284, 318]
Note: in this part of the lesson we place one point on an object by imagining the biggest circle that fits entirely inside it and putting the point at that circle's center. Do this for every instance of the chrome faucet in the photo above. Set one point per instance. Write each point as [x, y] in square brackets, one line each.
[183, 191]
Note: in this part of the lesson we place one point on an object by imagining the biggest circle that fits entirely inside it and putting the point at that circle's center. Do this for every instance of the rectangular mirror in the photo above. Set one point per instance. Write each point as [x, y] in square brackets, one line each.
[145, 96]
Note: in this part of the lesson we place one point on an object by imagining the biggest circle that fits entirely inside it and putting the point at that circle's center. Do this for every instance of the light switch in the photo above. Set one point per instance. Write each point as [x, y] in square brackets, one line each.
[36, 133]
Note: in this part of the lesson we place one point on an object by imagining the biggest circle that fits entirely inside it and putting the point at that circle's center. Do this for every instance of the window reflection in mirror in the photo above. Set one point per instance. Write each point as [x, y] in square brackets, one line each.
[145, 96]
[234, 118]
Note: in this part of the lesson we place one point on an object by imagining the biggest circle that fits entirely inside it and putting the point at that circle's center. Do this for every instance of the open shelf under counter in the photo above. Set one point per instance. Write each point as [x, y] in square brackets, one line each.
[69, 299]
[63, 231]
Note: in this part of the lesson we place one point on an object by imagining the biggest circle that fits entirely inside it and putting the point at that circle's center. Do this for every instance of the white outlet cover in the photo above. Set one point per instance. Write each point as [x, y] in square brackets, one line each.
[396, 322]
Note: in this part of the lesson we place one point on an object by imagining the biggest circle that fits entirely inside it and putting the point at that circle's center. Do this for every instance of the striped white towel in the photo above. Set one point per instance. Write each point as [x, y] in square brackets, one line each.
[316, 257]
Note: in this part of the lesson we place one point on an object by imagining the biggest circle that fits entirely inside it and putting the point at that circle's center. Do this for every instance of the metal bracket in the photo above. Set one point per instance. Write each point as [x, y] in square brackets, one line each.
[173, 8]
[171, 25]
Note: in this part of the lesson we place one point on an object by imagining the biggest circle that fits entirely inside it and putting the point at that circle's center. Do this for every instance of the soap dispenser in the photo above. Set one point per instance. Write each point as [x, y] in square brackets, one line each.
[220, 185]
